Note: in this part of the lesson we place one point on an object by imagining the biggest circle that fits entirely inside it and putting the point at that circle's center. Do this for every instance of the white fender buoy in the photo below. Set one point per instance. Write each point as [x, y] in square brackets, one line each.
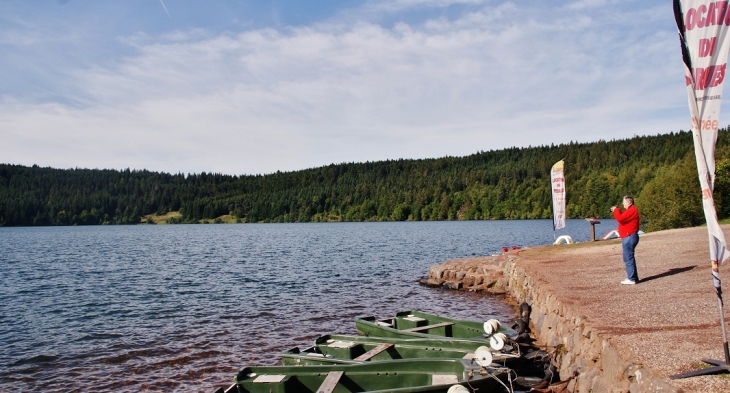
[491, 326]
[497, 341]
[483, 356]
[565, 238]
[457, 389]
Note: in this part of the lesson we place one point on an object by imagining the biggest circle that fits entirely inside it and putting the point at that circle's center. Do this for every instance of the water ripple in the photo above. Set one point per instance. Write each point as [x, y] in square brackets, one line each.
[183, 307]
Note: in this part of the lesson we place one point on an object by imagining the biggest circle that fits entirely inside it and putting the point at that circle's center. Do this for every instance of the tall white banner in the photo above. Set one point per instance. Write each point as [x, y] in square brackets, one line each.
[557, 179]
[703, 27]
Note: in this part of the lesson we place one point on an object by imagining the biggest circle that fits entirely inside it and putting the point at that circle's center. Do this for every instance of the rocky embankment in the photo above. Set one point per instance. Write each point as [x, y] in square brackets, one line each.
[472, 274]
[573, 292]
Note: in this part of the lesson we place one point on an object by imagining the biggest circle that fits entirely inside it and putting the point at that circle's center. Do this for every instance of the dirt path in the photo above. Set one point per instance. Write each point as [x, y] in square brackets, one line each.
[670, 320]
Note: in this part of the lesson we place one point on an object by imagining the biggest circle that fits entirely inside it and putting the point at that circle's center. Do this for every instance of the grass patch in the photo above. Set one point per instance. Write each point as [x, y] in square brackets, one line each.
[163, 219]
[224, 219]
[176, 218]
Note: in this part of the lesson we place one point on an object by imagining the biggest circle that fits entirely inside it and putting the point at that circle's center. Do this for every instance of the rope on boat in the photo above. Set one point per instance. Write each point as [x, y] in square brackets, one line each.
[509, 388]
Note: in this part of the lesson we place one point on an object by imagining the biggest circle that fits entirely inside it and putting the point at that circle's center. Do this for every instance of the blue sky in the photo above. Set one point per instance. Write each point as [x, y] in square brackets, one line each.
[248, 87]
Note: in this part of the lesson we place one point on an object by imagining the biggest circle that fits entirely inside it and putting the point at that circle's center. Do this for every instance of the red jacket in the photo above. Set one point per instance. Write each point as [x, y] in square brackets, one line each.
[628, 221]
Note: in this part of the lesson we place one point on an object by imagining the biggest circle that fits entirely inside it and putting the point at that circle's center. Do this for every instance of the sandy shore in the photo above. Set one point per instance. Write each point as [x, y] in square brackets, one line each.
[669, 321]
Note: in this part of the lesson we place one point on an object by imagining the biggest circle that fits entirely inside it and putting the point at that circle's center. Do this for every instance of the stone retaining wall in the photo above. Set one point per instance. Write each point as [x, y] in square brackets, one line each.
[587, 361]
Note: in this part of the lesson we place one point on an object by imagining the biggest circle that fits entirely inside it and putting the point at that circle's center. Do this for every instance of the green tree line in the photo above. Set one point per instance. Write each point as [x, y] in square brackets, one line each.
[511, 183]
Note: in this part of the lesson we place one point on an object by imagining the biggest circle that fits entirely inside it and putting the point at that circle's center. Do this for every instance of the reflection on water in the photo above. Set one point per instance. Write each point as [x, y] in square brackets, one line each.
[184, 307]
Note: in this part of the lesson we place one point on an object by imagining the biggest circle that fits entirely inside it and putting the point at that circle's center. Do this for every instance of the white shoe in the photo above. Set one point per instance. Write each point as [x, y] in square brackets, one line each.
[628, 282]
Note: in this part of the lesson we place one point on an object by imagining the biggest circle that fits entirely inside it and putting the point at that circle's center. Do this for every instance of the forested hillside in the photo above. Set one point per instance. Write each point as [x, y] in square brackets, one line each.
[505, 184]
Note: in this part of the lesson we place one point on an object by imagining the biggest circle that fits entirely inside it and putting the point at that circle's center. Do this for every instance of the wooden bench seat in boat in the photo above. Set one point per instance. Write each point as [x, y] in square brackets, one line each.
[330, 382]
[369, 354]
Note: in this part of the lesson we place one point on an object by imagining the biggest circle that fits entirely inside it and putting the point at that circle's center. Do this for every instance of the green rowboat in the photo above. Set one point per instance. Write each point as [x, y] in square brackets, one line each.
[333, 349]
[398, 376]
[416, 324]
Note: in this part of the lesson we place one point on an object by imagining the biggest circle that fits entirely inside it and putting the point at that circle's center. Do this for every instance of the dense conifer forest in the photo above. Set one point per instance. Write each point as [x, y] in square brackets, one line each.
[512, 183]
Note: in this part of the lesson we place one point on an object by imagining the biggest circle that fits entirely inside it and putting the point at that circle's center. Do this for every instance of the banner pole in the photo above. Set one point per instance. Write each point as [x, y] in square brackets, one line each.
[724, 334]
[718, 291]
[704, 51]
[719, 365]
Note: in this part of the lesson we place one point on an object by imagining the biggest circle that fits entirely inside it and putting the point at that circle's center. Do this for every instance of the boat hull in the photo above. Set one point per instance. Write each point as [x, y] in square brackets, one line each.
[398, 376]
[429, 325]
[344, 349]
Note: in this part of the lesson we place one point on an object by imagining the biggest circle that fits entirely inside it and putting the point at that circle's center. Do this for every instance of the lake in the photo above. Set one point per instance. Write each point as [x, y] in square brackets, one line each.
[183, 307]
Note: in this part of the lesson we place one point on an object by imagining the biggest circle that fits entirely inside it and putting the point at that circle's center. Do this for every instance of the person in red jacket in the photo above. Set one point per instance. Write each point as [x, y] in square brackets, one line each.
[628, 231]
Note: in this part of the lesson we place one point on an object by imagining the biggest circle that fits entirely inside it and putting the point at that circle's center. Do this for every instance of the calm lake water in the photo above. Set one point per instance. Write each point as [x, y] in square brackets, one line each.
[183, 307]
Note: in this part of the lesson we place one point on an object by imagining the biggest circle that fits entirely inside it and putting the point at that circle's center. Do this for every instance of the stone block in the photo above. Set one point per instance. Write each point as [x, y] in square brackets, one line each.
[587, 332]
[478, 279]
[436, 271]
[502, 283]
[592, 352]
[538, 320]
[567, 369]
[601, 385]
[614, 366]
[572, 366]
[571, 385]
[585, 380]
[489, 281]
[646, 381]
[577, 339]
[452, 284]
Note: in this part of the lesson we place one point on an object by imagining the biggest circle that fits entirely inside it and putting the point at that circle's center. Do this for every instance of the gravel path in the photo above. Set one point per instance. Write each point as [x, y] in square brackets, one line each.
[670, 320]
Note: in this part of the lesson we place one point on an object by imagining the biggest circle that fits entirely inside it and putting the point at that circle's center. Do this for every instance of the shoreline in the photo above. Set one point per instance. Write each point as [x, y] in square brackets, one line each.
[612, 337]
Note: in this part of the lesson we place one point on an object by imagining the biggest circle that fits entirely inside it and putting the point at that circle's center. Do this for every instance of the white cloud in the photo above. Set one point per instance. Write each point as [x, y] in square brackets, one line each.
[266, 100]
[400, 5]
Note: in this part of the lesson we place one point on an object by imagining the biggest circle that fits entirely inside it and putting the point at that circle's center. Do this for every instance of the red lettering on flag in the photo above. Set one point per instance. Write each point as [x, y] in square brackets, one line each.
[707, 46]
[706, 193]
[708, 124]
[709, 77]
[704, 16]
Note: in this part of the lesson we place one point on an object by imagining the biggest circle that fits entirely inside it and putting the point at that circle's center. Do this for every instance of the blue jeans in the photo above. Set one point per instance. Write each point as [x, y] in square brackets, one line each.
[629, 245]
